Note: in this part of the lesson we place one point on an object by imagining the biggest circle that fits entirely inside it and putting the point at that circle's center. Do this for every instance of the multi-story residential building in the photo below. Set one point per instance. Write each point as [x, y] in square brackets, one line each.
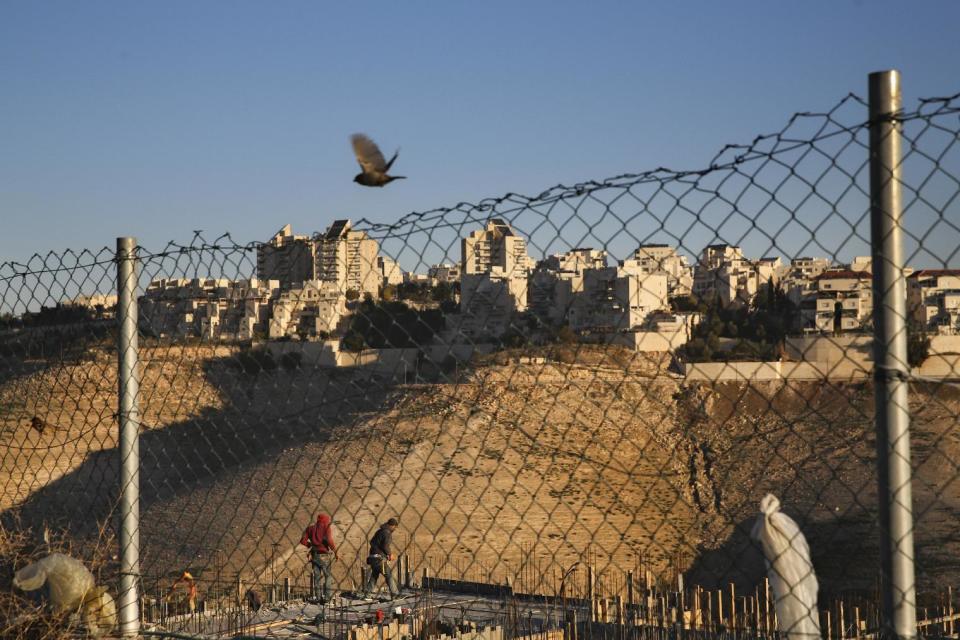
[662, 258]
[844, 301]
[390, 271]
[447, 273]
[556, 279]
[616, 300]
[861, 263]
[708, 280]
[410, 277]
[724, 273]
[211, 308]
[769, 269]
[315, 308]
[288, 258]
[491, 304]
[496, 245]
[806, 268]
[800, 284]
[494, 269]
[933, 300]
[577, 260]
[348, 259]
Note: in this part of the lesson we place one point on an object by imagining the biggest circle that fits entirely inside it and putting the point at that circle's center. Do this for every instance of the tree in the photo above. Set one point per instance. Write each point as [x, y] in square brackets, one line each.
[513, 338]
[759, 329]
[442, 292]
[380, 324]
[688, 303]
[352, 341]
[918, 345]
[565, 335]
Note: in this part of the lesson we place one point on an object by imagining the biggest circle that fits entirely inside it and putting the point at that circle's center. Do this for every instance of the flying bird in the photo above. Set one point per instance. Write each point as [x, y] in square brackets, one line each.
[38, 424]
[373, 166]
[790, 571]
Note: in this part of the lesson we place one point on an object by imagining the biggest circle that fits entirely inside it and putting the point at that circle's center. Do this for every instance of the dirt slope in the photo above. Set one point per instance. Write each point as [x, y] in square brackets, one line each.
[518, 470]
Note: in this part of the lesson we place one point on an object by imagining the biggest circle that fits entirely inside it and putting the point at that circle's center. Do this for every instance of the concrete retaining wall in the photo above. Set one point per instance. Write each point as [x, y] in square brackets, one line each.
[758, 371]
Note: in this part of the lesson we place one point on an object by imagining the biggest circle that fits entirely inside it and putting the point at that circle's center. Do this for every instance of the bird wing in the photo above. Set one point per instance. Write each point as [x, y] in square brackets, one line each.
[368, 154]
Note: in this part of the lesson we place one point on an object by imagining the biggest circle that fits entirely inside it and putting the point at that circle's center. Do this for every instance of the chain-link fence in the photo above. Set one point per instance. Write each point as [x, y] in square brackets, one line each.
[572, 405]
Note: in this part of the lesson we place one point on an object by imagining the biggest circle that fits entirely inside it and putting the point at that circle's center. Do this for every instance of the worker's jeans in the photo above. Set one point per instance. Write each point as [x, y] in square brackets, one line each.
[321, 570]
[380, 566]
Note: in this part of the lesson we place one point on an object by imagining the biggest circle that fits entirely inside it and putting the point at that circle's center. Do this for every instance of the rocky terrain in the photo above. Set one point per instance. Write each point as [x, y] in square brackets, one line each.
[518, 469]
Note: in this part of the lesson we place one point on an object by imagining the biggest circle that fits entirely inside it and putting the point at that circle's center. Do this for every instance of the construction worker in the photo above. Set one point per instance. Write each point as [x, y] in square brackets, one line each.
[191, 587]
[318, 537]
[380, 556]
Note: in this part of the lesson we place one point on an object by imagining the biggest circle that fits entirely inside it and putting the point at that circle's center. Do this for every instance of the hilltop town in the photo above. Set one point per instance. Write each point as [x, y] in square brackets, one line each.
[314, 288]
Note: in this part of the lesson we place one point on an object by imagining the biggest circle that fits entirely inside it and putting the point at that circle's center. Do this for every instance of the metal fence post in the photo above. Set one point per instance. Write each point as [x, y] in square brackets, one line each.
[129, 391]
[891, 367]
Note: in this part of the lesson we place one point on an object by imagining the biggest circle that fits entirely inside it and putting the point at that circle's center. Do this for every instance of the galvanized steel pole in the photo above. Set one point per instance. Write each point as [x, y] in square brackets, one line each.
[129, 392]
[891, 367]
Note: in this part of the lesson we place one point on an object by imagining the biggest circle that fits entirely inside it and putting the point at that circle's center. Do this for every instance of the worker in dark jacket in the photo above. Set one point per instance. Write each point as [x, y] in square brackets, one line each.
[381, 555]
[319, 539]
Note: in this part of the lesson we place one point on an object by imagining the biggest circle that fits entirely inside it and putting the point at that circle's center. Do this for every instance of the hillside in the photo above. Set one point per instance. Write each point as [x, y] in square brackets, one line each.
[518, 469]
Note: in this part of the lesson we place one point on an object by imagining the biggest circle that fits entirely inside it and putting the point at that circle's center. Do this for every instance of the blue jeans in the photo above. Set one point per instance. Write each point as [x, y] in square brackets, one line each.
[380, 566]
[321, 571]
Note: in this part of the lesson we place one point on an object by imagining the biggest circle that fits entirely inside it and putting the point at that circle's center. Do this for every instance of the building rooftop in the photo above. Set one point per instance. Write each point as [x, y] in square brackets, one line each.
[336, 229]
[502, 226]
[837, 274]
[932, 273]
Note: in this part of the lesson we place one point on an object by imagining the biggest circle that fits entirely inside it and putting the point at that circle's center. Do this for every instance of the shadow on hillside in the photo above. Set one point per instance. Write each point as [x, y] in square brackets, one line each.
[28, 351]
[844, 550]
[263, 414]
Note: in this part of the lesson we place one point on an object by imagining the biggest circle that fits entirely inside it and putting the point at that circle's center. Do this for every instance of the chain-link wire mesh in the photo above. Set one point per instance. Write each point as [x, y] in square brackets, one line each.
[571, 403]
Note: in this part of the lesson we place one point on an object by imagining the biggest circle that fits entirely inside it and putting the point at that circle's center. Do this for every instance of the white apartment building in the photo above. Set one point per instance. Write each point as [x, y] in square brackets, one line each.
[556, 279]
[844, 301]
[861, 263]
[316, 307]
[410, 277]
[799, 280]
[615, 300]
[448, 273]
[211, 308]
[496, 245]
[807, 268]
[348, 259]
[933, 300]
[288, 258]
[494, 269]
[390, 271]
[708, 280]
[724, 272]
[491, 304]
[662, 258]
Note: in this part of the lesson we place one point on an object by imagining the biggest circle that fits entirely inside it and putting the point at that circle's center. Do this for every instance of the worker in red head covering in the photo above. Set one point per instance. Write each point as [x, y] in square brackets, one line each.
[319, 539]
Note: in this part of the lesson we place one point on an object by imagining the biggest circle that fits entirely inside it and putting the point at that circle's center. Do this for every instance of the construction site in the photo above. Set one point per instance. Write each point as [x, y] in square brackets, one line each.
[583, 606]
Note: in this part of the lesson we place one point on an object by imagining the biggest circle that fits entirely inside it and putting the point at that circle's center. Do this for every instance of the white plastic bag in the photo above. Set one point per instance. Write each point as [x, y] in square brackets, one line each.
[99, 612]
[790, 571]
[66, 578]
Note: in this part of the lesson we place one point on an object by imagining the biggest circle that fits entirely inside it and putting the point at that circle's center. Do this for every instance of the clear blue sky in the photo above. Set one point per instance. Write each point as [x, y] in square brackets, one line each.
[156, 118]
